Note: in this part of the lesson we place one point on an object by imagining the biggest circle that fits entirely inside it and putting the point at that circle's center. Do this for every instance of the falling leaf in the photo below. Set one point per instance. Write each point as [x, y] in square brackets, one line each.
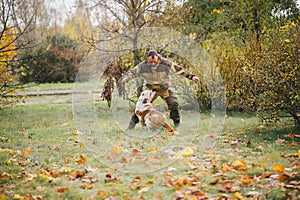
[82, 160]
[62, 189]
[278, 168]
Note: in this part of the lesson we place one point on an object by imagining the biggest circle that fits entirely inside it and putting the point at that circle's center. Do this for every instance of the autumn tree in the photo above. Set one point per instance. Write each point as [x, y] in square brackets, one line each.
[124, 19]
[14, 28]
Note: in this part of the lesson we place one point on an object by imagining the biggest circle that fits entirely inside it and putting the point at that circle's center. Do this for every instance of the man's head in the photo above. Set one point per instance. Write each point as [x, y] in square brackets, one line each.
[152, 57]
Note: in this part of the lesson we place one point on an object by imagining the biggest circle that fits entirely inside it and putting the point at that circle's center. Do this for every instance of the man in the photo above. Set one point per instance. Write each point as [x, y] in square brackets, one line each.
[156, 70]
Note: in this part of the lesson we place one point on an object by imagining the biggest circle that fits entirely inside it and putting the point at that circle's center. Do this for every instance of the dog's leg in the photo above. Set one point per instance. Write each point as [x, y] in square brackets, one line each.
[169, 128]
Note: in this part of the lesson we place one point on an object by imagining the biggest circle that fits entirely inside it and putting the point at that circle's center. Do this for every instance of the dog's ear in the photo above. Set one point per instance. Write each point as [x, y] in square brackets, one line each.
[153, 94]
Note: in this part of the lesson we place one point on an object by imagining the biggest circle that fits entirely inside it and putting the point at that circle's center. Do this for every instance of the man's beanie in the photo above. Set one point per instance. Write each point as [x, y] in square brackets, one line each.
[152, 53]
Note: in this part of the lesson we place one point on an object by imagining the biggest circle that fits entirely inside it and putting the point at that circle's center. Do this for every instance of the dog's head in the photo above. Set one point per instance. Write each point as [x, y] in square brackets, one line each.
[146, 96]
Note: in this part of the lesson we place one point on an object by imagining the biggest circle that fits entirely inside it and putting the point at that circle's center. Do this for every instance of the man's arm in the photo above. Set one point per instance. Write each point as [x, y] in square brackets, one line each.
[133, 73]
[179, 70]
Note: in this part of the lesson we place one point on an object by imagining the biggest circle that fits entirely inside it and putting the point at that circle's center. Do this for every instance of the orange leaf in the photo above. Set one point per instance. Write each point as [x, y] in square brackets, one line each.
[62, 189]
[26, 151]
[101, 194]
[278, 168]
[87, 187]
[81, 160]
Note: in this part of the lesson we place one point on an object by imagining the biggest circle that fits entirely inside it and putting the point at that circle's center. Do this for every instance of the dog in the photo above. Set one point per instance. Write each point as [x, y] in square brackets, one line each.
[148, 115]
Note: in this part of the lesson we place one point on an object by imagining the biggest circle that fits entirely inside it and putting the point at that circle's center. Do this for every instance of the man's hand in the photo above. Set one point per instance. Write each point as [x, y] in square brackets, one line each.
[195, 79]
[124, 80]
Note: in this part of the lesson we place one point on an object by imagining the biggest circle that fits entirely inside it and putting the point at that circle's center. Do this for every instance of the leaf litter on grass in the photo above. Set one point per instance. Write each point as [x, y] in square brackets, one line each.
[239, 167]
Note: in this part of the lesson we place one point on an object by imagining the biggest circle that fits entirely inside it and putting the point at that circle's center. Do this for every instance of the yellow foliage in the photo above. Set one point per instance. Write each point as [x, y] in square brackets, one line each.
[7, 54]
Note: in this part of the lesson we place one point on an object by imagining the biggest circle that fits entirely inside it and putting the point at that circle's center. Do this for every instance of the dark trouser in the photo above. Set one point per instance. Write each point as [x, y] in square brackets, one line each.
[173, 107]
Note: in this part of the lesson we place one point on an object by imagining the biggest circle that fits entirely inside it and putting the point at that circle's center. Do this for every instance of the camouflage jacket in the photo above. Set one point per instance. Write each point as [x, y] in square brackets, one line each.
[158, 74]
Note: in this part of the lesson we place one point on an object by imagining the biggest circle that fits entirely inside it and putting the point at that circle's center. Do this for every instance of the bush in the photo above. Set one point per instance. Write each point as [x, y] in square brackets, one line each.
[58, 61]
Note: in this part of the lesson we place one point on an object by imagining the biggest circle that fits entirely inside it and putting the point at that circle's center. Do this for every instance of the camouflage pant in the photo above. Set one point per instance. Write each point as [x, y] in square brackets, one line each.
[172, 104]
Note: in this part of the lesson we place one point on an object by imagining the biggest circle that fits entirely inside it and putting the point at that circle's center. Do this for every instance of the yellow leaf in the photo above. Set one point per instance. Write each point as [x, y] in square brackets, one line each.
[278, 168]
[75, 132]
[152, 149]
[243, 132]
[188, 151]
[16, 196]
[239, 163]
[117, 149]
[237, 194]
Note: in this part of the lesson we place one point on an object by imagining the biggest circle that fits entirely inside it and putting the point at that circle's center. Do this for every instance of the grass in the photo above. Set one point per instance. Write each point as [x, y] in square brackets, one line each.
[65, 151]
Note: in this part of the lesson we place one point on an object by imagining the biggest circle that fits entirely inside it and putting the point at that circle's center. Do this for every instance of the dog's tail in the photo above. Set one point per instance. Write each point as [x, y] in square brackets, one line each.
[169, 129]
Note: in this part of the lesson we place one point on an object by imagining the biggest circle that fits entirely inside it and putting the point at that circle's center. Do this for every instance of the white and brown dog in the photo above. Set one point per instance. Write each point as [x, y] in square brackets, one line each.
[148, 115]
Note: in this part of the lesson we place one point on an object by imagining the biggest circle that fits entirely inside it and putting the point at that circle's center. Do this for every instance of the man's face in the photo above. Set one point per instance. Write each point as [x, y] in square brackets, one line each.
[153, 60]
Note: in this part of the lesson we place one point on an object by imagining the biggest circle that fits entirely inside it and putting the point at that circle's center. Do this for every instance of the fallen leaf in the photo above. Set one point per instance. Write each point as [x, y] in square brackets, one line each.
[243, 132]
[82, 160]
[226, 186]
[29, 177]
[75, 175]
[280, 141]
[238, 163]
[62, 189]
[153, 149]
[101, 194]
[144, 189]
[5, 176]
[117, 149]
[278, 168]
[87, 187]
[26, 151]
[188, 151]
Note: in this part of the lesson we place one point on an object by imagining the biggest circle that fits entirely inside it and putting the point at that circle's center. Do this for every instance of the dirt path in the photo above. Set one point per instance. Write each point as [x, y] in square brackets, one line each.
[54, 96]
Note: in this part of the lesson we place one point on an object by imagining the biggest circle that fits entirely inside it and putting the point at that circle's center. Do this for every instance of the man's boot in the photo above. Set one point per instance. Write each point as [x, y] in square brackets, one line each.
[176, 122]
[133, 121]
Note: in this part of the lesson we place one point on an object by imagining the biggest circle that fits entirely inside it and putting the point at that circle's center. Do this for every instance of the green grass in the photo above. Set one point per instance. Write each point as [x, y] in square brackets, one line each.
[48, 130]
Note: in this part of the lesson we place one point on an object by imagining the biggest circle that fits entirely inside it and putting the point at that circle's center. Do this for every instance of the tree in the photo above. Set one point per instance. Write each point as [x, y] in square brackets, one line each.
[55, 61]
[13, 29]
[271, 76]
[124, 18]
